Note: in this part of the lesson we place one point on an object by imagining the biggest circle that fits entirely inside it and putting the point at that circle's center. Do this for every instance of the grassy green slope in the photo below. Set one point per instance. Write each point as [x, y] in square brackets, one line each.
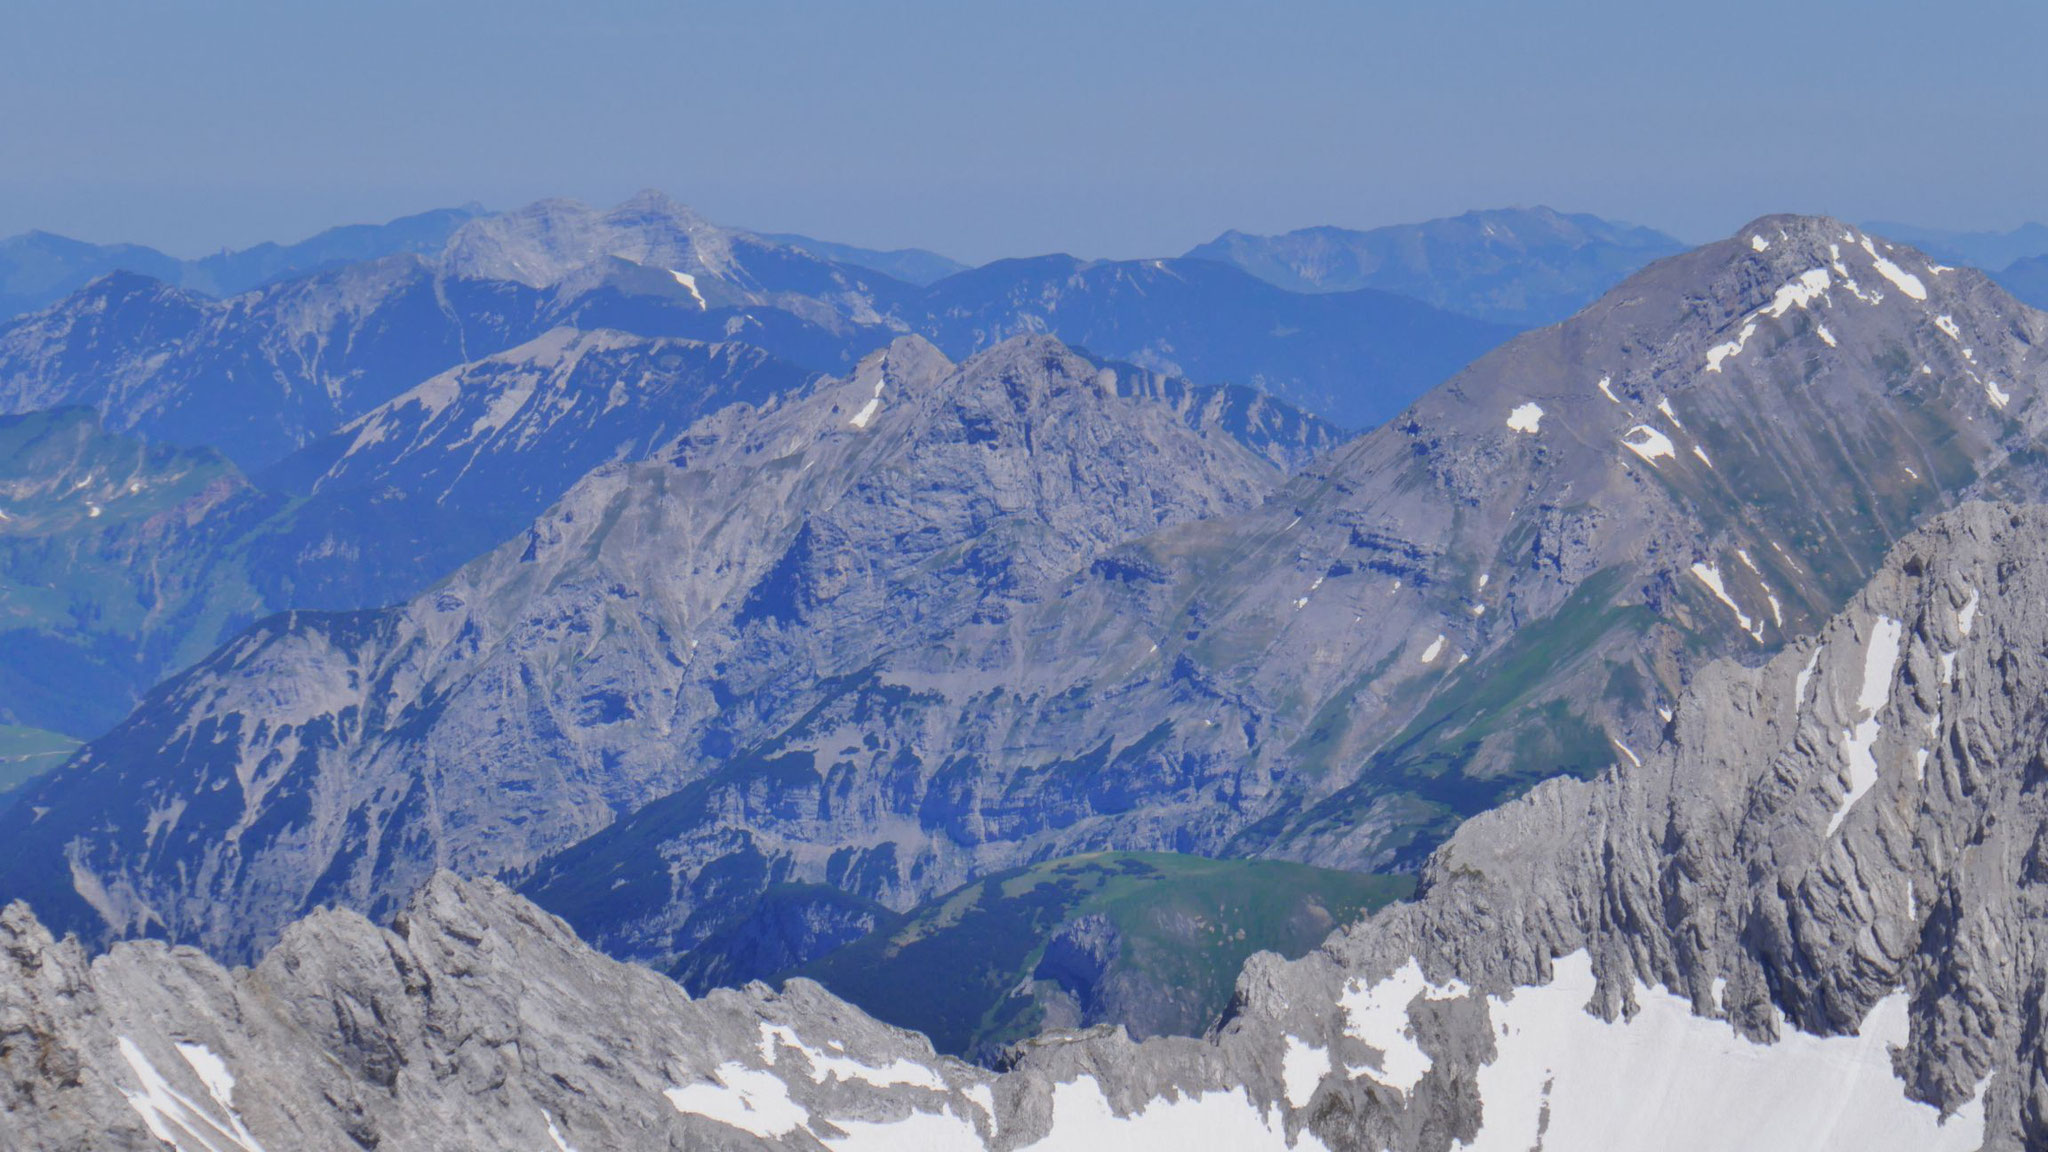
[116, 566]
[961, 968]
[26, 753]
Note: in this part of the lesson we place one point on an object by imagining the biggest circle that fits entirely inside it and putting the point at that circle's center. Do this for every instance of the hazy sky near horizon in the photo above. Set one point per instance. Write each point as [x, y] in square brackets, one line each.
[985, 129]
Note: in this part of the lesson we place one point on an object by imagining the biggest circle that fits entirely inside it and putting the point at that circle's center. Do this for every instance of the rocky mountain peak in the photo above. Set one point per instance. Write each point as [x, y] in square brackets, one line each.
[121, 287]
[1710, 459]
[653, 204]
[777, 556]
[1708, 377]
[545, 242]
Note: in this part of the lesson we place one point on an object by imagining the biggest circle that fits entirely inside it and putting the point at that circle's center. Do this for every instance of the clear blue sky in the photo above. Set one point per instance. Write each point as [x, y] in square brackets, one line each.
[984, 129]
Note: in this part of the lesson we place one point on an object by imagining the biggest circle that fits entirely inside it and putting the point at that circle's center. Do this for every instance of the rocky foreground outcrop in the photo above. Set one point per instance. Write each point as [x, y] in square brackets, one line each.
[1810, 918]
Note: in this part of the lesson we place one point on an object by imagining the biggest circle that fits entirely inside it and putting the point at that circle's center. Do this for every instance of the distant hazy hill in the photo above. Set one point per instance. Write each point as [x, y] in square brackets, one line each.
[2026, 279]
[39, 268]
[1354, 358]
[910, 265]
[1990, 251]
[1521, 266]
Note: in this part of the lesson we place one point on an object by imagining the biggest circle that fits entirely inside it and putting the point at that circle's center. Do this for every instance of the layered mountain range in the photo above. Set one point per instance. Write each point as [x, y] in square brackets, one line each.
[931, 623]
[281, 379]
[266, 372]
[1349, 357]
[1016, 690]
[263, 372]
[1805, 917]
[910, 265]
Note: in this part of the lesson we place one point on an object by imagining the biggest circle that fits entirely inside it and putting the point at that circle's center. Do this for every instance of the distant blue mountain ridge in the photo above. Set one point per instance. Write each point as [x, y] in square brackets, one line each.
[282, 364]
[1993, 252]
[1522, 267]
[39, 268]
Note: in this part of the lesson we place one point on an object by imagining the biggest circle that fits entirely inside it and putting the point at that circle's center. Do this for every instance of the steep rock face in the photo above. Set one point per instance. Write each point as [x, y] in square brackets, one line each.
[1509, 582]
[1518, 266]
[477, 1022]
[637, 643]
[1842, 839]
[1808, 919]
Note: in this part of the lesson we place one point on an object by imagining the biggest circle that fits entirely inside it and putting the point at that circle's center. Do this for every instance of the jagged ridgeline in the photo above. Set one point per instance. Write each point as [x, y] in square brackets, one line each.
[928, 624]
[1807, 917]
